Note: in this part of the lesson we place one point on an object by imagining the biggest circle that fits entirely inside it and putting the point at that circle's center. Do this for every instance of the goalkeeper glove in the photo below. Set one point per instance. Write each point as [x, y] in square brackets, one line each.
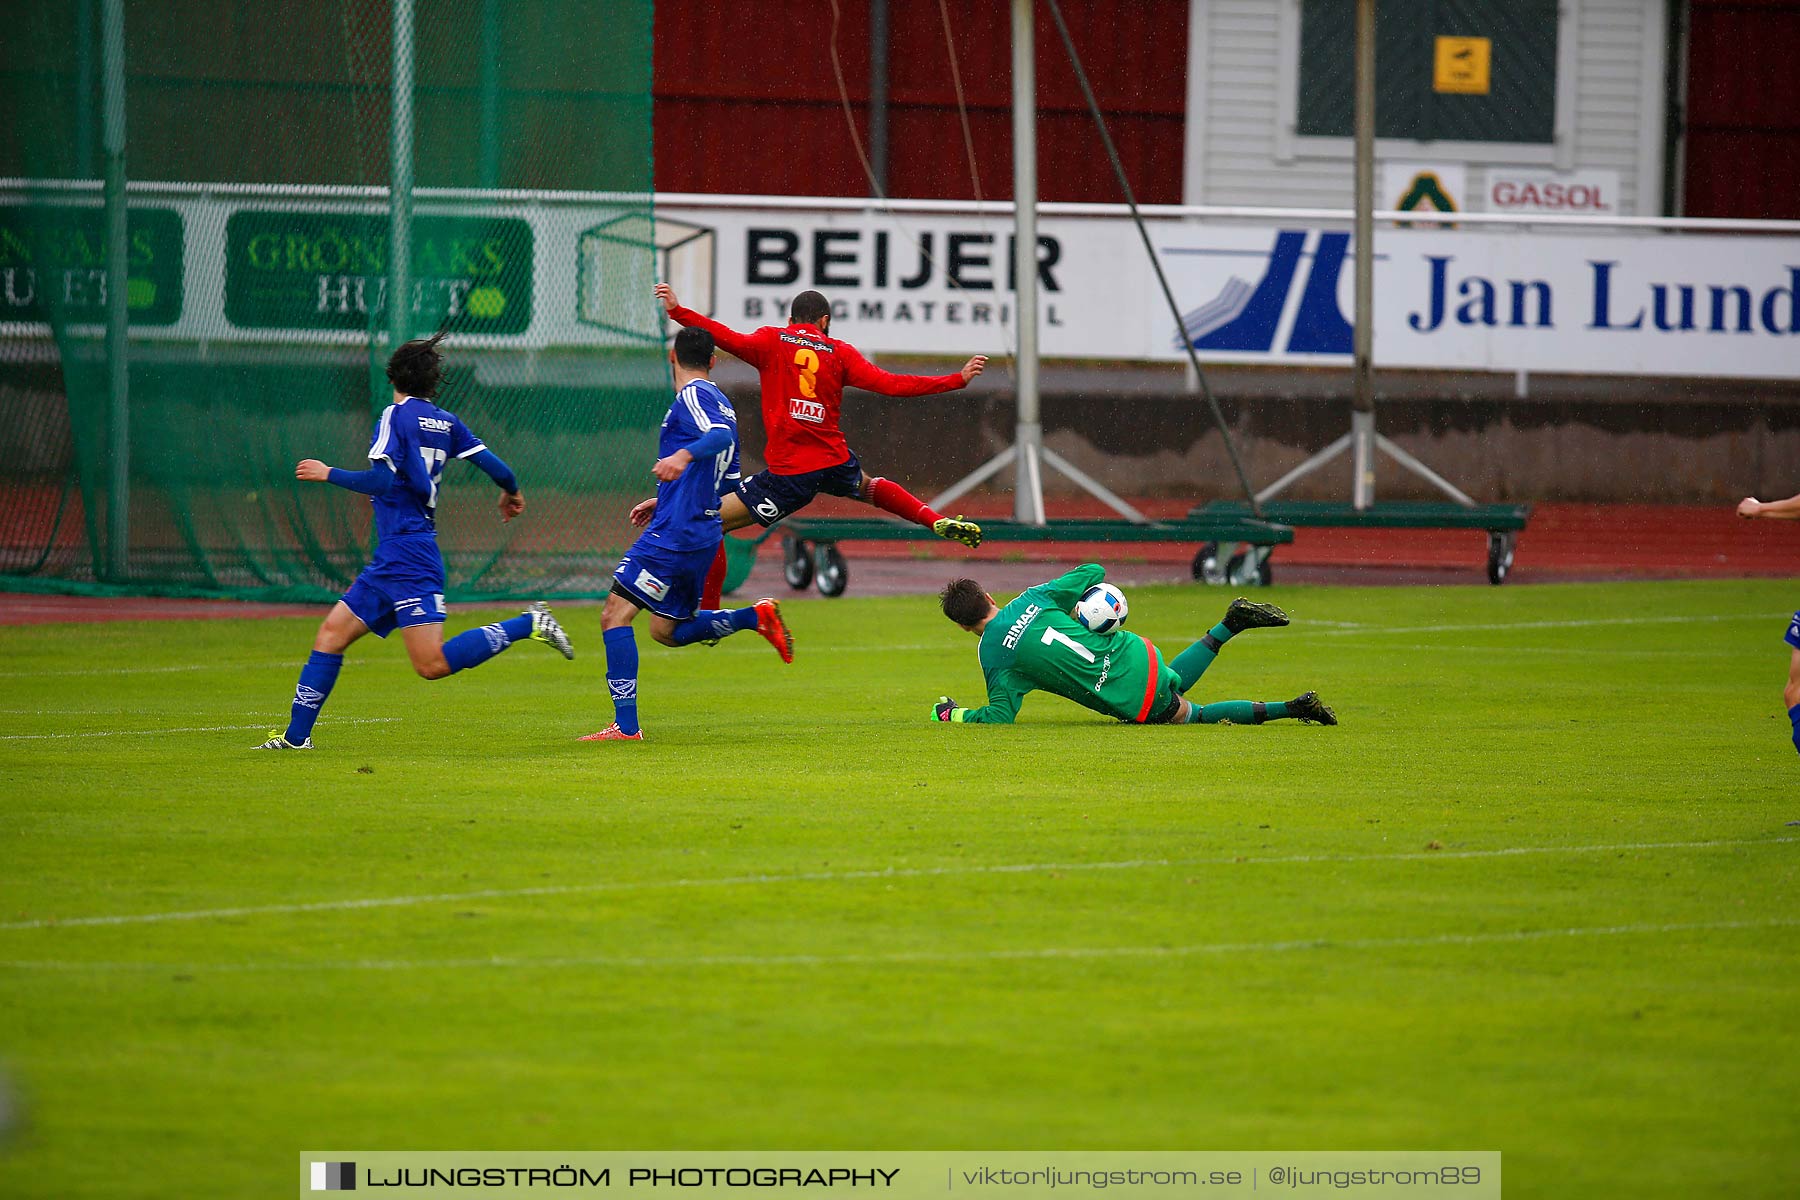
[943, 709]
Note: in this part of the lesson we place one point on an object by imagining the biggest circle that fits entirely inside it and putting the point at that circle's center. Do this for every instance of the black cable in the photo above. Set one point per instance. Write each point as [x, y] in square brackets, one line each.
[1174, 309]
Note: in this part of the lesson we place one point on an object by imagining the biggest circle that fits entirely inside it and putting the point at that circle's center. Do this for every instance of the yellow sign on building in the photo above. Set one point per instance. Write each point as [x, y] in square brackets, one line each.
[1462, 65]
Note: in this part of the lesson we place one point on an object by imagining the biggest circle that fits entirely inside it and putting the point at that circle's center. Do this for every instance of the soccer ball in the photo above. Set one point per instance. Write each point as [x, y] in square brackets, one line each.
[1101, 608]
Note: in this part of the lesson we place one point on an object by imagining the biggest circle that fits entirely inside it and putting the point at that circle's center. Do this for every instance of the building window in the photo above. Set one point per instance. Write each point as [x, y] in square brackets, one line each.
[1469, 79]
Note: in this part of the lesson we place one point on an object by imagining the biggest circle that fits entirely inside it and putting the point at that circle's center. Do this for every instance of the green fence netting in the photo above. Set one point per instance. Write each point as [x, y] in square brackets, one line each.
[260, 166]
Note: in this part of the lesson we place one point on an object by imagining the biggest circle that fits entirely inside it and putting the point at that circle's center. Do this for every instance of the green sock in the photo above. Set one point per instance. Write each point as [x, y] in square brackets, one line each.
[1236, 712]
[1191, 663]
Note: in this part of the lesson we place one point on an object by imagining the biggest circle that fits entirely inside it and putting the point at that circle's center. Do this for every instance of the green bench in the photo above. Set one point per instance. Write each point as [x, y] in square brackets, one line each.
[1501, 522]
[811, 554]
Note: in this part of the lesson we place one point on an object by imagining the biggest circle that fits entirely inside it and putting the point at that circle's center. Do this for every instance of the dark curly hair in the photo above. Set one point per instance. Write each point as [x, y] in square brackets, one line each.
[965, 601]
[417, 368]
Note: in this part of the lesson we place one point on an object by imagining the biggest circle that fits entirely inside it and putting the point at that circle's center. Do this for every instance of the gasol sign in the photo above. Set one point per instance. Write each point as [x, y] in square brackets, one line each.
[325, 270]
[53, 259]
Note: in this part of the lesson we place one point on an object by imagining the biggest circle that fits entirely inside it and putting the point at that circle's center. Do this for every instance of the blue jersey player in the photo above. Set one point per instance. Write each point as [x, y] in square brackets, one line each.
[1782, 510]
[665, 569]
[403, 588]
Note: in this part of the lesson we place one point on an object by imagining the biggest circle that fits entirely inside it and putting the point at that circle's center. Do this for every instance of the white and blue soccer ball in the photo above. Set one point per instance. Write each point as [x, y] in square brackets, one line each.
[1102, 608]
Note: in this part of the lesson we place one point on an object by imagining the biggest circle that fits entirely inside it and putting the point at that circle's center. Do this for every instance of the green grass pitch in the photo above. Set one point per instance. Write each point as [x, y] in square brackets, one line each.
[1536, 894]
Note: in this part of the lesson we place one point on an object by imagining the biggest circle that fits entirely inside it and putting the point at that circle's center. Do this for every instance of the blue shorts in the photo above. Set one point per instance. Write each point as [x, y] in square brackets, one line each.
[1793, 633]
[770, 497]
[663, 580]
[403, 586]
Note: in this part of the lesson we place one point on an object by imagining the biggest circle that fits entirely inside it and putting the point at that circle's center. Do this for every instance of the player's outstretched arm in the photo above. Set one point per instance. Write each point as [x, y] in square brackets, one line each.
[373, 482]
[860, 372]
[744, 345]
[1773, 510]
[1004, 699]
[1065, 590]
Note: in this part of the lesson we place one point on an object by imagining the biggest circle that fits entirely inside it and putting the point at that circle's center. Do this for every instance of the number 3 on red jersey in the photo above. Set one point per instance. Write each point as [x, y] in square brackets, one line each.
[806, 363]
[806, 407]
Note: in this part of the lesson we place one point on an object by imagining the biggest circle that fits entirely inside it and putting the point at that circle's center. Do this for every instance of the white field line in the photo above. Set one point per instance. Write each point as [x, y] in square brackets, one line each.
[907, 957]
[1328, 629]
[1508, 626]
[206, 666]
[66, 712]
[99, 733]
[1560, 651]
[852, 876]
[814, 649]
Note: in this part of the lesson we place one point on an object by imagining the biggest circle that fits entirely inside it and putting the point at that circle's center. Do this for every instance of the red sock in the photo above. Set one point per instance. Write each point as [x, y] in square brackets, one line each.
[715, 580]
[889, 496]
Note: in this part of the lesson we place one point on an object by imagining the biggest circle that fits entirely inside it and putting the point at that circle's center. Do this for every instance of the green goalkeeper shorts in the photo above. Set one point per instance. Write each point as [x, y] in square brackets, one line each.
[1168, 697]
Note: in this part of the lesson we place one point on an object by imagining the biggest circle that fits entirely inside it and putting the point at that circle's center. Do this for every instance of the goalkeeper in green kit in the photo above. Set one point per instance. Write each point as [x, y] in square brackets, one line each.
[1035, 643]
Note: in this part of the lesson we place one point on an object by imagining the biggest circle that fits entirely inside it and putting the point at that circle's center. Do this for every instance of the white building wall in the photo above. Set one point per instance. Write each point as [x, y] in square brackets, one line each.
[1243, 68]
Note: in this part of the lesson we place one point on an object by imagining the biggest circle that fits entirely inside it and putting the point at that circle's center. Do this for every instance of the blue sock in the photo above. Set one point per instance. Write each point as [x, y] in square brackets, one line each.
[621, 676]
[1793, 715]
[472, 647]
[714, 623]
[316, 678]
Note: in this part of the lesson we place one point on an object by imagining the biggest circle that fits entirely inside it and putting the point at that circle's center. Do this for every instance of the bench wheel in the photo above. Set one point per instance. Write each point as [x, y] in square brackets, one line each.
[833, 571]
[1500, 555]
[797, 562]
[1205, 567]
[1250, 567]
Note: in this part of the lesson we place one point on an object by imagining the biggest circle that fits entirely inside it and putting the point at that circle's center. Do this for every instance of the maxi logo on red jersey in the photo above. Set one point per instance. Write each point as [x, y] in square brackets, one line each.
[810, 411]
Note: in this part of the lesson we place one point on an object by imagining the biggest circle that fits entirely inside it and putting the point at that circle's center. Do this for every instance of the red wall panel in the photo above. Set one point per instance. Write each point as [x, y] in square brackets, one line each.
[1743, 109]
[746, 100]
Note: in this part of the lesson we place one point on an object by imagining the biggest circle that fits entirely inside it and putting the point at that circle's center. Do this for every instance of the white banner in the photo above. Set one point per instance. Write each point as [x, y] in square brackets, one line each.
[924, 283]
[1582, 302]
[571, 272]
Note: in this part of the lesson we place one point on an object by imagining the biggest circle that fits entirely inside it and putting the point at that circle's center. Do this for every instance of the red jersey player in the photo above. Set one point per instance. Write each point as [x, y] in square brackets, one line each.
[804, 373]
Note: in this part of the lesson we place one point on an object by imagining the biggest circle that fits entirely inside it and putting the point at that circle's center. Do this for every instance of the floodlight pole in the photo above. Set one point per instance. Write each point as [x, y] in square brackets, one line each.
[878, 94]
[118, 317]
[400, 183]
[84, 90]
[1027, 453]
[1028, 433]
[490, 94]
[1362, 441]
[1362, 412]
